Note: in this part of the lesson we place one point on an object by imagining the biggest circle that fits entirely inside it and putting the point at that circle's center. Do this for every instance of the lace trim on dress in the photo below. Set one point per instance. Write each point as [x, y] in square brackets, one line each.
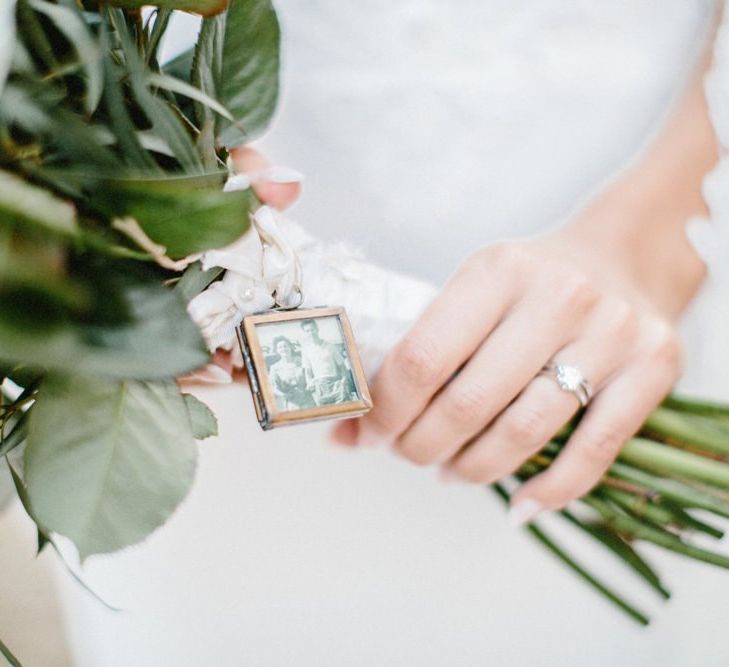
[711, 237]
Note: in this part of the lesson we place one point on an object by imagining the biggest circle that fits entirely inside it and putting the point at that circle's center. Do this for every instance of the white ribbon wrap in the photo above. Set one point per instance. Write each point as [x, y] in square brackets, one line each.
[381, 304]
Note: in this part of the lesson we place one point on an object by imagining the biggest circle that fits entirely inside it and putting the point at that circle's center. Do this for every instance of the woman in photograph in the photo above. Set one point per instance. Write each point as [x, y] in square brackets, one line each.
[287, 377]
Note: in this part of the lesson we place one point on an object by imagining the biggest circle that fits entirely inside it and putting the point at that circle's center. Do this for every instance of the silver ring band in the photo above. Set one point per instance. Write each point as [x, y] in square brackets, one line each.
[569, 378]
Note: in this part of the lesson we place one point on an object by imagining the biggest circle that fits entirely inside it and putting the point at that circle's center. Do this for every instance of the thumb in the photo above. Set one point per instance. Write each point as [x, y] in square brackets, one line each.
[274, 185]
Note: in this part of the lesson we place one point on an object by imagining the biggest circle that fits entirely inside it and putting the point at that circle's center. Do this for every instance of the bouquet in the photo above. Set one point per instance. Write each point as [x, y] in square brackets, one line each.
[112, 168]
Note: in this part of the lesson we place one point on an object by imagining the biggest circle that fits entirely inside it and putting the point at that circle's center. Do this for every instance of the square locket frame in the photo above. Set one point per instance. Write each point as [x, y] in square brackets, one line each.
[259, 334]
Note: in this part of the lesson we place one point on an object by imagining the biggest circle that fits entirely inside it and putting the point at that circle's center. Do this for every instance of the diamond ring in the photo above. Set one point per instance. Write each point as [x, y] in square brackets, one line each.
[569, 378]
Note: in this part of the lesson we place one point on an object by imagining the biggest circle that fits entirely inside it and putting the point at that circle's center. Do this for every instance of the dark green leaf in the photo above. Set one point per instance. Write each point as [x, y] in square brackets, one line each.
[69, 22]
[161, 21]
[36, 111]
[145, 333]
[166, 124]
[107, 462]
[205, 74]
[185, 215]
[248, 82]
[124, 131]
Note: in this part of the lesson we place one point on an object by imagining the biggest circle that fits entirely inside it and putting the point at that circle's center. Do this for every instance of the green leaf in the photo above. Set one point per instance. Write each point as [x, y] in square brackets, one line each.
[245, 75]
[37, 111]
[31, 32]
[123, 128]
[205, 69]
[181, 88]
[107, 462]
[203, 421]
[70, 23]
[202, 7]
[166, 124]
[12, 439]
[145, 332]
[25, 203]
[184, 214]
[161, 22]
[195, 280]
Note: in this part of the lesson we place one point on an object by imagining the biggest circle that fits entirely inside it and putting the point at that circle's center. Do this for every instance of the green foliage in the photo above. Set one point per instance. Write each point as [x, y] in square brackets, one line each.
[131, 329]
[107, 462]
[95, 140]
[212, 218]
[246, 81]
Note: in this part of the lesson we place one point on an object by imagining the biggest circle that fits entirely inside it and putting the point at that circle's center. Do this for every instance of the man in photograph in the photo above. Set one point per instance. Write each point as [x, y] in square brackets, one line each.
[327, 375]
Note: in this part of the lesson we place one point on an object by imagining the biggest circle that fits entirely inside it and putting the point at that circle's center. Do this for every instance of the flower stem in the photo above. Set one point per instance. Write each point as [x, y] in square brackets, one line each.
[6, 653]
[663, 459]
[580, 571]
[701, 432]
[621, 549]
[696, 407]
[678, 492]
[625, 524]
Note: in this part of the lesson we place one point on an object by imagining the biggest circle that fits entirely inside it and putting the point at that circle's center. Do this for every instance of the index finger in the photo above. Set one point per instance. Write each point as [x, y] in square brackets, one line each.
[470, 305]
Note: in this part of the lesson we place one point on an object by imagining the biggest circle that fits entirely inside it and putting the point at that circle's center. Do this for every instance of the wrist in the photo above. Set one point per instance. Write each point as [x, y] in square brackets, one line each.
[635, 240]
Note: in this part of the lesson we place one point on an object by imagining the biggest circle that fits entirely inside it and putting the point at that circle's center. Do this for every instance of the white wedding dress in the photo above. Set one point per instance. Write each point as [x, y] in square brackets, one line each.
[425, 129]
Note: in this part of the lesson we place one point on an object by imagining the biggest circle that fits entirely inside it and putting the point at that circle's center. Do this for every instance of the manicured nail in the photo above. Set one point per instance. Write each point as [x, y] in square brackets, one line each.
[369, 436]
[237, 182]
[524, 511]
[278, 174]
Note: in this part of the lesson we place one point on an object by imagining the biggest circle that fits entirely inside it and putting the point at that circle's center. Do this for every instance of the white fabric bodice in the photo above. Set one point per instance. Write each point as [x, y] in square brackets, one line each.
[428, 128]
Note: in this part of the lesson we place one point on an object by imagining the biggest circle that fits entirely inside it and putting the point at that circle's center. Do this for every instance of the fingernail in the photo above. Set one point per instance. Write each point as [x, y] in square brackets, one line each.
[344, 433]
[278, 174]
[369, 436]
[237, 182]
[524, 511]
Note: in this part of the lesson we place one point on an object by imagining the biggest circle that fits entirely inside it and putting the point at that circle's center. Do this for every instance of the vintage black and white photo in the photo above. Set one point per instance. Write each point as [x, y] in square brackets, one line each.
[307, 362]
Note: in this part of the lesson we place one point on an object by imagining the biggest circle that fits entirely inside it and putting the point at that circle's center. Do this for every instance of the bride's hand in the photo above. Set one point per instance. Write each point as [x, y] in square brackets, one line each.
[463, 387]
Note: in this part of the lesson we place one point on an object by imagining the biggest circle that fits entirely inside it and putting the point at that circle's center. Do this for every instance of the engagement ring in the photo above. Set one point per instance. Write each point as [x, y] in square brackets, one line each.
[569, 378]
